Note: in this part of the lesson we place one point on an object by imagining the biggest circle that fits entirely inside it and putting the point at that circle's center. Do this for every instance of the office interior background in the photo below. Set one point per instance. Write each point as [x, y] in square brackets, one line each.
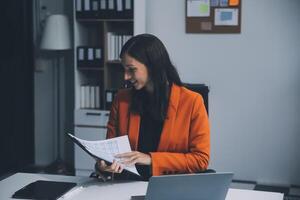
[253, 77]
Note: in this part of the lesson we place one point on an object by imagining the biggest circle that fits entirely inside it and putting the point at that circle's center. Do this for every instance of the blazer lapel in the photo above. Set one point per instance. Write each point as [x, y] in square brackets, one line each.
[170, 120]
[134, 129]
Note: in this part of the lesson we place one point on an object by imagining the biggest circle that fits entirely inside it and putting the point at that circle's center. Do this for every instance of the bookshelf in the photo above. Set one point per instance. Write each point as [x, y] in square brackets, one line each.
[100, 29]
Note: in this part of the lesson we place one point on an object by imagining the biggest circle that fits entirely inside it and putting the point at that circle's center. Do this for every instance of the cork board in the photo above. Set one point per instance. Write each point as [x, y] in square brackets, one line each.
[213, 16]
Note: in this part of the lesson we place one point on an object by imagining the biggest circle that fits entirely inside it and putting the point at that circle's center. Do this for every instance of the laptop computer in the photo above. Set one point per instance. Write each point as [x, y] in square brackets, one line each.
[207, 186]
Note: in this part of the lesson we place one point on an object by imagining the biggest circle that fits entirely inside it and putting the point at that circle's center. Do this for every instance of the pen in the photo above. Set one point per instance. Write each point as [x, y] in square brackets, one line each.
[72, 192]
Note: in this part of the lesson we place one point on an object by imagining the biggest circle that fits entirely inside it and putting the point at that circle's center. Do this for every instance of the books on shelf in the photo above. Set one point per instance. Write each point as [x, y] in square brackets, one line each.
[104, 9]
[90, 97]
[114, 45]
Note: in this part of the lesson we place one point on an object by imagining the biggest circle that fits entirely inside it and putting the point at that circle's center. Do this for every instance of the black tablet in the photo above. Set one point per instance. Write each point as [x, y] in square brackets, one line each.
[43, 190]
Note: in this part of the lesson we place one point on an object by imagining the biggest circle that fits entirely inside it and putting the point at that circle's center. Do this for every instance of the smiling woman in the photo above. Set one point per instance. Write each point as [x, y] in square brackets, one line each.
[135, 72]
[167, 124]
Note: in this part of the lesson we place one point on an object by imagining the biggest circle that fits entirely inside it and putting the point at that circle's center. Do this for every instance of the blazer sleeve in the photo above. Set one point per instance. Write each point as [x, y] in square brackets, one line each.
[196, 157]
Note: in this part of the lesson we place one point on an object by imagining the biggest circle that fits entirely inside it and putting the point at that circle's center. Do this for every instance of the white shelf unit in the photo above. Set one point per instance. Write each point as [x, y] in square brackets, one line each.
[90, 123]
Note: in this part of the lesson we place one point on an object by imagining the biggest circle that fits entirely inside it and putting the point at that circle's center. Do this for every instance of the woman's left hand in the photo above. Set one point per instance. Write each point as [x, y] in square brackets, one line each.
[134, 157]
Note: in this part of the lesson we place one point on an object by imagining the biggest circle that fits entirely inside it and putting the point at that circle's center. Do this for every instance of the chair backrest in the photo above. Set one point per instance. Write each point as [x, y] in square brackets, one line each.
[201, 89]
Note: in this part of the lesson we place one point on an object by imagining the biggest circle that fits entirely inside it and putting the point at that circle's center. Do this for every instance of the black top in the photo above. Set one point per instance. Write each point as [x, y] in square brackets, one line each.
[149, 137]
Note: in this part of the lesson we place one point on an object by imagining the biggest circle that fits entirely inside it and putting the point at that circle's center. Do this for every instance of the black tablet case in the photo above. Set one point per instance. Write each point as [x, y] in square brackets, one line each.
[43, 190]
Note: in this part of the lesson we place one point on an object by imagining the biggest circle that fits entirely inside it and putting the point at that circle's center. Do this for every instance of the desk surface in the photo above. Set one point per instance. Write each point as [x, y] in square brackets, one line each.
[118, 190]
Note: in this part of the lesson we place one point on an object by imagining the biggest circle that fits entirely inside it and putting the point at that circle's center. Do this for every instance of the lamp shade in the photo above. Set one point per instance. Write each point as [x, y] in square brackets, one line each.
[56, 35]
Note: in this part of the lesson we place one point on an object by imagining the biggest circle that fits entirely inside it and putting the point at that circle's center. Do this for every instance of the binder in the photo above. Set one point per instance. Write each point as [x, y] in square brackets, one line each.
[87, 6]
[80, 56]
[102, 9]
[99, 9]
[90, 54]
[78, 6]
[111, 10]
[119, 6]
[111, 4]
[97, 56]
[128, 4]
[103, 5]
[95, 6]
[109, 97]
[82, 96]
[79, 9]
[128, 9]
[87, 96]
[97, 97]
[93, 102]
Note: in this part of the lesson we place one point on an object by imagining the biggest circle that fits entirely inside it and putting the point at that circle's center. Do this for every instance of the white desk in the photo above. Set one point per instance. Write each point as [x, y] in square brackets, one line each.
[121, 190]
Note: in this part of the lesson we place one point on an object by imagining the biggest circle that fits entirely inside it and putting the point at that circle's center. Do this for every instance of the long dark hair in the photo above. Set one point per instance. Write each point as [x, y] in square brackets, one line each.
[150, 51]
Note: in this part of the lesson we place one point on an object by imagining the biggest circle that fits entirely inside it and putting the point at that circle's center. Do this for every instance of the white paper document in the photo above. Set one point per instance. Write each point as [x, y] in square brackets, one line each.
[106, 149]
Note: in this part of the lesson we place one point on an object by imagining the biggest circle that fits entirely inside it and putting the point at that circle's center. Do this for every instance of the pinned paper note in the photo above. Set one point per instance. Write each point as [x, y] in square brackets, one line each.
[226, 17]
[206, 26]
[198, 8]
[224, 3]
[234, 2]
[214, 3]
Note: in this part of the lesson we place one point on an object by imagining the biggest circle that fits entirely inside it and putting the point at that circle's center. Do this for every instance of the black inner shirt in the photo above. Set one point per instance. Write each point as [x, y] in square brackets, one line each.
[149, 137]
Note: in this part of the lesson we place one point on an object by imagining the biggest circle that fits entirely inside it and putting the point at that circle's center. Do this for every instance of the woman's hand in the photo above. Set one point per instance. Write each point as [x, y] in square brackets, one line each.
[134, 157]
[129, 158]
[115, 167]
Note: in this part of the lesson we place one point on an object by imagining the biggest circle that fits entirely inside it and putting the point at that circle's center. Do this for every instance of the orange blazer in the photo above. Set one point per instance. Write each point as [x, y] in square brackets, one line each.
[184, 145]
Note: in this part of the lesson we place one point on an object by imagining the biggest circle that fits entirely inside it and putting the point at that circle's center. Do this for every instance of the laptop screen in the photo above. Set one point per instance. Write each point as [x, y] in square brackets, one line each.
[209, 186]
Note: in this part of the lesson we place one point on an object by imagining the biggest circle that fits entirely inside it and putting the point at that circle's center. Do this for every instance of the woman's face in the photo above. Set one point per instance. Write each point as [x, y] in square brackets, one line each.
[135, 72]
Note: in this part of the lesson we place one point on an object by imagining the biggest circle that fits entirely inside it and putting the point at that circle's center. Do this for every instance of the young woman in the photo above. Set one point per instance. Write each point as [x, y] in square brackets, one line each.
[166, 123]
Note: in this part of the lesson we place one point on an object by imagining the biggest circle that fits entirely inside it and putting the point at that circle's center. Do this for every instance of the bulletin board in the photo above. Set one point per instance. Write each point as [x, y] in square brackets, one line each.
[213, 16]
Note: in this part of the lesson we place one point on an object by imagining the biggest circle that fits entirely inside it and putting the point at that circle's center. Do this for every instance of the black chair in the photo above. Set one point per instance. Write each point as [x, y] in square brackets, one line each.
[201, 89]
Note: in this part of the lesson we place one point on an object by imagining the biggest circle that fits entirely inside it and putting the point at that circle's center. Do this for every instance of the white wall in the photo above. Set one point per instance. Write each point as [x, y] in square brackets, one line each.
[254, 85]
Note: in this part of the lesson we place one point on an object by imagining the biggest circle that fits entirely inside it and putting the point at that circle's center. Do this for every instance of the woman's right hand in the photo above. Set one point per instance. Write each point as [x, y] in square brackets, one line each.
[115, 167]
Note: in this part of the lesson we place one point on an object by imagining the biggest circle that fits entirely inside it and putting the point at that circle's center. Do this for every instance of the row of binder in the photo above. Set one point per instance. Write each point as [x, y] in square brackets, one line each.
[90, 97]
[104, 9]
[89, 56]
[115, 43]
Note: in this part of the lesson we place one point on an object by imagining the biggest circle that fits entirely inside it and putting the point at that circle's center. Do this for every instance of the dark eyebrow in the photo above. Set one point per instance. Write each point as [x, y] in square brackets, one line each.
[130, 66]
